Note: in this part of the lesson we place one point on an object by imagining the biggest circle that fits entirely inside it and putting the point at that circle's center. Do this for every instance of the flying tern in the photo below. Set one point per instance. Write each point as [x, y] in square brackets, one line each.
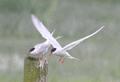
[62, 52]
[57, 49]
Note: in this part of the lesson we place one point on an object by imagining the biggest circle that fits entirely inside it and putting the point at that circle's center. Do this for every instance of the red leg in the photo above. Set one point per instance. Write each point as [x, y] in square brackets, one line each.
[61, 60]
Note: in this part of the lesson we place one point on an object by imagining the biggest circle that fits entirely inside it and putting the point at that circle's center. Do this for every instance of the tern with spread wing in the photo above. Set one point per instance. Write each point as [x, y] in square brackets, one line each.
[41, 50]
[58, 50]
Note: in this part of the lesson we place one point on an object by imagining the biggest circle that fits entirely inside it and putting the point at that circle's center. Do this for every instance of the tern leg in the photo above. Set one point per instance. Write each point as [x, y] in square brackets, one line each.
[41, 65]
[49, 56]
[61, 60]
[41, 62]
[45, 61]
[51, 53]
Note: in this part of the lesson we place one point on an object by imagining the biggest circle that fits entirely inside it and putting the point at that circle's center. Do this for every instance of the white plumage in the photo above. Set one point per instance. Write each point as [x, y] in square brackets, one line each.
[59, 50]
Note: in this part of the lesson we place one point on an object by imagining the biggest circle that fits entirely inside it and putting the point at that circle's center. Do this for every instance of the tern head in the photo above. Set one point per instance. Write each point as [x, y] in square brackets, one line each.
[53, 50]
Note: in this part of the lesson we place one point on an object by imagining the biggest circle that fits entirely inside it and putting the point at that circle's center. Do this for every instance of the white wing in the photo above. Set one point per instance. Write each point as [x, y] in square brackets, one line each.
[40, 27]
[44, 32]
[75, 43]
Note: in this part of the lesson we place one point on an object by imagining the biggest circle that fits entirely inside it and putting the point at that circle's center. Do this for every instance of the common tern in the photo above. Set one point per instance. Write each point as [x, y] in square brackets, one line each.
[57, 49]
[40, 50]
[62, 52]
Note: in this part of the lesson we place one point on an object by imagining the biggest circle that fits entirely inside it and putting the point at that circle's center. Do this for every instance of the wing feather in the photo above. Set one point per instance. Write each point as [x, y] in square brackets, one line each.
[44, 32]
[75, 43]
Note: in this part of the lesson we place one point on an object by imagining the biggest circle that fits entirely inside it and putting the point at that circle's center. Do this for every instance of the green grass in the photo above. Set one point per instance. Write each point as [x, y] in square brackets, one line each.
[72, 19]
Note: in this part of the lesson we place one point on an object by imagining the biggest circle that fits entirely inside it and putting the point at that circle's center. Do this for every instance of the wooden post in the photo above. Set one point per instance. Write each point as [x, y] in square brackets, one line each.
[32, 72]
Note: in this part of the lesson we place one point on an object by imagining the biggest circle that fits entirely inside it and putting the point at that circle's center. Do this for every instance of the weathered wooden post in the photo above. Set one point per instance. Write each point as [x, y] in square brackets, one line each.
[33, 73]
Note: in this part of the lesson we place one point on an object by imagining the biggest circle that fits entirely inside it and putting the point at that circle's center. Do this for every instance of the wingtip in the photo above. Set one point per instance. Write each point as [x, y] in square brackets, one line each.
[33, 16]
[102, 27]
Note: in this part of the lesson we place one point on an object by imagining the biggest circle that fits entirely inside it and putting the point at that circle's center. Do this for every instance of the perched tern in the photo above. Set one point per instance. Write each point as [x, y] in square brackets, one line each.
[57, 49]
[40, 50]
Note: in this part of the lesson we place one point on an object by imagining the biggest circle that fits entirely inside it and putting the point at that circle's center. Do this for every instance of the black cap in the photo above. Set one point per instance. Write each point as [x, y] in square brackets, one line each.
[53, 49]
[31, 49]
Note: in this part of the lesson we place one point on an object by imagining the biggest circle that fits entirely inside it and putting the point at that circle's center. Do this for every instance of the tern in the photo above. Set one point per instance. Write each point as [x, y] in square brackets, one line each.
[41, 48]
[40, 51]
[57, 49]
[62, 52]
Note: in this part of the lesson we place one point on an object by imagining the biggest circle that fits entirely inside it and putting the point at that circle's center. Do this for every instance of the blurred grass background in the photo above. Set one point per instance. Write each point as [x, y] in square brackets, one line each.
[73, 19]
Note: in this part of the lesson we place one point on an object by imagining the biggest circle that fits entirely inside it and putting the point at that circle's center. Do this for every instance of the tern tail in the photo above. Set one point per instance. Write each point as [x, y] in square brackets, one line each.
[71, 57]
[74, 58]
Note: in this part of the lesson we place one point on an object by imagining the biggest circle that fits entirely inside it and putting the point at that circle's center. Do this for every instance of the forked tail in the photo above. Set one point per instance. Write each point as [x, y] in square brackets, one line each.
[74, 58]
[71, 57]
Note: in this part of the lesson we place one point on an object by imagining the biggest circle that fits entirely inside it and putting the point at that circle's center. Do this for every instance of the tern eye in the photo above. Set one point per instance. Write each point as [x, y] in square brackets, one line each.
[31, 49]
[53, 49]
